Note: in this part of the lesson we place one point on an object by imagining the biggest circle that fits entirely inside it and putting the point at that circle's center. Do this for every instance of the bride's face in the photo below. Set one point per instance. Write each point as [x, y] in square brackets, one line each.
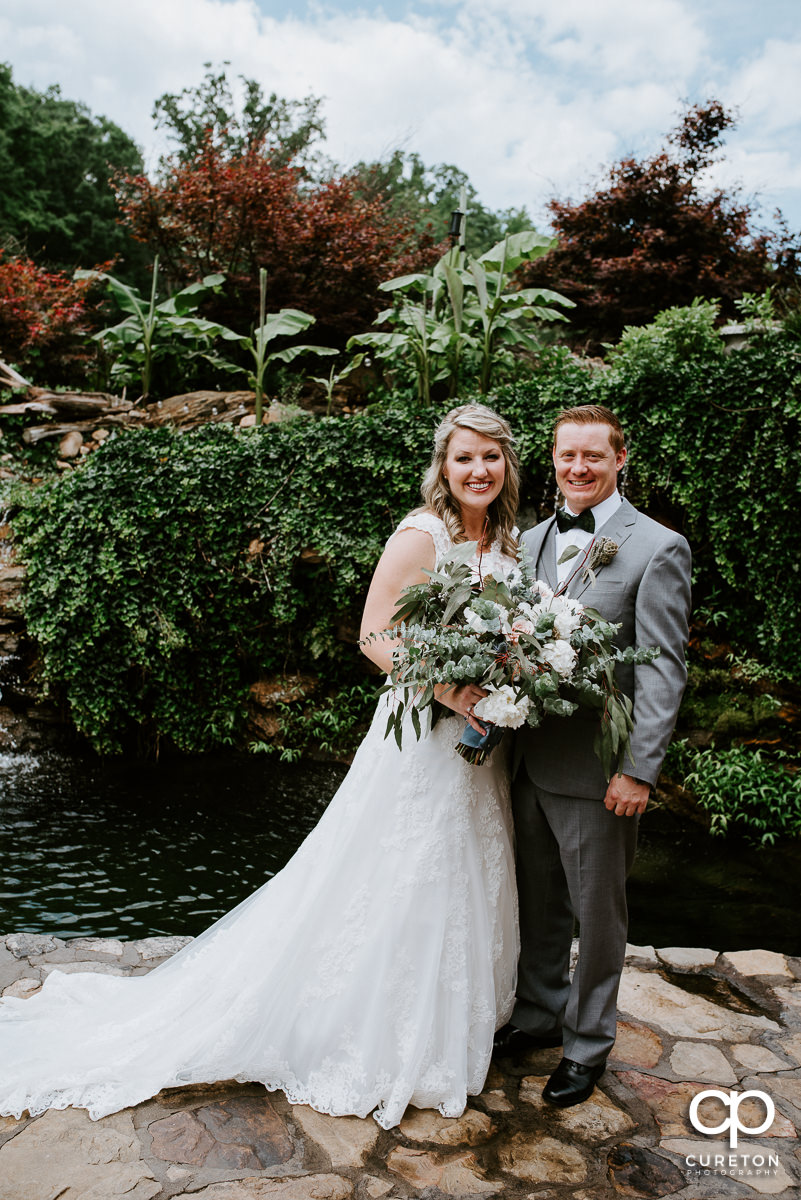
[475, 469]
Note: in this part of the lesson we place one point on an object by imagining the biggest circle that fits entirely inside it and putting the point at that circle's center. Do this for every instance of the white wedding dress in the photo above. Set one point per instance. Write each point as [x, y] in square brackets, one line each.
[367, 975]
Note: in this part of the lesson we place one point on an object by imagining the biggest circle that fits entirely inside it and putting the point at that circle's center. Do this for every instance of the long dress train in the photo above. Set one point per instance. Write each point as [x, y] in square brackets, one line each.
[367, 975]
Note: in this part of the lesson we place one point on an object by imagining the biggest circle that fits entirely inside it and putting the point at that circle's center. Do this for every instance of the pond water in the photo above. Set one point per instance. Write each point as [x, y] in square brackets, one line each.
[93, 847]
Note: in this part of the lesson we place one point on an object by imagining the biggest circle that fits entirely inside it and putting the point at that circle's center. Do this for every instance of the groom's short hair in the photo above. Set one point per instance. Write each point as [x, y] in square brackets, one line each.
[593, 414]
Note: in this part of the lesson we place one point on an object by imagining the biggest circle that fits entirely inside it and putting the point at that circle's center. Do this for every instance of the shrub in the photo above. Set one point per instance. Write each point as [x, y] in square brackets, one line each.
[171, 570]
[45, 321]
[743, 791]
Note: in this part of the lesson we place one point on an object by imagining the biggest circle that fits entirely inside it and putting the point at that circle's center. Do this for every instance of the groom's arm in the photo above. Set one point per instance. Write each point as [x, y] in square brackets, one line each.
[662, 612]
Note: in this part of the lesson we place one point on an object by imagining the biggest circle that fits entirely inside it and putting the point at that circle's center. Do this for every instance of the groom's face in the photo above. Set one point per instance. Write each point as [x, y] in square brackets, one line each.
[586, 464]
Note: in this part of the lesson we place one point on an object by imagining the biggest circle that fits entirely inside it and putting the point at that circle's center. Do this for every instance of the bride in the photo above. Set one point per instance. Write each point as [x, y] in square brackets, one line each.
[372, 971]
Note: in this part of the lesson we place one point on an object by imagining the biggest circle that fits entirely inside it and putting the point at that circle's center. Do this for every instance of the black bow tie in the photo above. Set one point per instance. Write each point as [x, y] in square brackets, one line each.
[566, 521]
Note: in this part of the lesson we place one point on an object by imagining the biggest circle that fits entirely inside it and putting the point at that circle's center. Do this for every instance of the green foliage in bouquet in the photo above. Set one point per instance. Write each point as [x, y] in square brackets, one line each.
[538, 653]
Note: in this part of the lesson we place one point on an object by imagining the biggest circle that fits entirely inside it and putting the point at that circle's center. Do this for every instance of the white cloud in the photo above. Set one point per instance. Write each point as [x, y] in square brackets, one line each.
[529, 97]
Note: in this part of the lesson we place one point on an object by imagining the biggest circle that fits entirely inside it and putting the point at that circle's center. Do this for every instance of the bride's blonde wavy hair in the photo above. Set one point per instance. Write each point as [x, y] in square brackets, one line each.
[436, 489]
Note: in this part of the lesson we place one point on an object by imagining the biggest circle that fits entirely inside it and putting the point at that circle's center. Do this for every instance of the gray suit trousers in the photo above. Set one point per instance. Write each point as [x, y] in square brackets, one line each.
[573, 856]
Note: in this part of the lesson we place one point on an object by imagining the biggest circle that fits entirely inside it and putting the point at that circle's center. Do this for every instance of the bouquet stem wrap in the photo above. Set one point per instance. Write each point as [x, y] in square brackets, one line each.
[475, 746]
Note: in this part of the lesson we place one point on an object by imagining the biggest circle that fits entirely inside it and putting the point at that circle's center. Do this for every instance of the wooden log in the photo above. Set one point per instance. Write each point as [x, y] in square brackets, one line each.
[12, 378]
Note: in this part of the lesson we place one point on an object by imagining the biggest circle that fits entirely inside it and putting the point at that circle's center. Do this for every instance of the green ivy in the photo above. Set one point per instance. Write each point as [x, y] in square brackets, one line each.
[170, 570]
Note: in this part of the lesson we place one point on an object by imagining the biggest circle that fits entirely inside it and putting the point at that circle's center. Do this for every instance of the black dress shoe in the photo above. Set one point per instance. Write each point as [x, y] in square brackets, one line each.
[572, 1083]
[512, 1042]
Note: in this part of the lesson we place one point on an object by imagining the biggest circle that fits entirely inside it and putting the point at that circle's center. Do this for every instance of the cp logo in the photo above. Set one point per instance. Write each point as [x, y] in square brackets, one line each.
[732, 1122]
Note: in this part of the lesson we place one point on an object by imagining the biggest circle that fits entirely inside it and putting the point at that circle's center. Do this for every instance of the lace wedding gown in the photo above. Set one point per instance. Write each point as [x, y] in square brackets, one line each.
[369, 974]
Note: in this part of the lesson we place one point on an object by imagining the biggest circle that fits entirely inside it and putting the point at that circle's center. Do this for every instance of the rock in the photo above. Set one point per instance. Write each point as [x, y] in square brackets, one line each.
[375, 1187]
[689, 1060]
[346, 1140]
[786, 1086]
[680, 958]
[267, 693]
[238, 1133]
[496, 1101]
[641, 1173]
[792, 1047]
[757, 1058]
[29, 945]
[84, 968]
[100, 435]
[593, 1121]
[302, 1187]
[181, 1138]
[758, 962]
[788, 997]
[636, 1045]
[111, 946]
[765, 1184]
[670, 1105]
[66, 1155]
[22, 988]
[70, 444]
[536, 1159]
[669, 1102]
[425, 1125]
[152, 948]
[641, 954]
[454, 1175]
[646, 995]
[248, 421]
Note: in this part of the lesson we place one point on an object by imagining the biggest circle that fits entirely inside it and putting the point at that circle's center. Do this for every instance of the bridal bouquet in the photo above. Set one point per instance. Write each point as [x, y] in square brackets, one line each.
[535, 651]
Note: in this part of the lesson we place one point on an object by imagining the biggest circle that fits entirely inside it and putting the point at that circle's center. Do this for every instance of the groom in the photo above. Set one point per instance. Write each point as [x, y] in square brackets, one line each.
[576, 834]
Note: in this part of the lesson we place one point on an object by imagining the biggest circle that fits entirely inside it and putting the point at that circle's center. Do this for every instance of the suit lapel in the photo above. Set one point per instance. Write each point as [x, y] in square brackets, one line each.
[540, 545]
[618, 528]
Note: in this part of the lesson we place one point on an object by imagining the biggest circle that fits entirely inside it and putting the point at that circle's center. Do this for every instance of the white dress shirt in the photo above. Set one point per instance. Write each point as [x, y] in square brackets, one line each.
[580, 537]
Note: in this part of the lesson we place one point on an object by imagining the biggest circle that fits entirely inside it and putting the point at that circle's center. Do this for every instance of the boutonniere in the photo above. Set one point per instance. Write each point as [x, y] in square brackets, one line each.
[599, 553]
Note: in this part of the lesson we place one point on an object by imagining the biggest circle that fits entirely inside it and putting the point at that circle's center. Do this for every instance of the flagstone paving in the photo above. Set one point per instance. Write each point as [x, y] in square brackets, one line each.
[691, 1020]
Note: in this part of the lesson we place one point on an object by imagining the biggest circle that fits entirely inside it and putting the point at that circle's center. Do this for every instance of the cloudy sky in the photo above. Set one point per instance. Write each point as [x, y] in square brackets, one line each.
[530, 97]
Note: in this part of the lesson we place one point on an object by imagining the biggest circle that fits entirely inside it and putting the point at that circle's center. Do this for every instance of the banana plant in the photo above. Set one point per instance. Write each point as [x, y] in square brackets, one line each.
[330, 381]
[508, 317]
[287, 322]
[154, 330]
[464, 306]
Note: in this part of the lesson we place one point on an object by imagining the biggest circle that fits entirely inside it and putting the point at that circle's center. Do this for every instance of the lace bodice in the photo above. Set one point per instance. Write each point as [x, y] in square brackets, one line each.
[493, 561]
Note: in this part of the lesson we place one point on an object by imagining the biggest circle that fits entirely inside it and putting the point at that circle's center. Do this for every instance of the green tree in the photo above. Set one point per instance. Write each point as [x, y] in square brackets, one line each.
[56, 159]
[424, 198]
[196, 117]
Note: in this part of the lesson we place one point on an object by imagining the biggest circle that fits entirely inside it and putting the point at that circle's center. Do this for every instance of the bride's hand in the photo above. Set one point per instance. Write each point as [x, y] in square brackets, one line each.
[462, 700]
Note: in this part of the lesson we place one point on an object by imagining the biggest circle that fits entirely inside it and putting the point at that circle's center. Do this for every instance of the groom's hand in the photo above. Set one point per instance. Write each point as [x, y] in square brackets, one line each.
[626, 796]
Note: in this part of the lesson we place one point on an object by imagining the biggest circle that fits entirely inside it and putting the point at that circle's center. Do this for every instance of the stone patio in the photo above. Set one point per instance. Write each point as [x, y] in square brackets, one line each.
[690, 1020]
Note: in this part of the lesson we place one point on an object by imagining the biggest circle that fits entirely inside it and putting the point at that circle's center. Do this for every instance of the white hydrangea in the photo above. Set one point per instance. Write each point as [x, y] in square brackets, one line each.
[568, 615]
[560, 655]
[503, 707]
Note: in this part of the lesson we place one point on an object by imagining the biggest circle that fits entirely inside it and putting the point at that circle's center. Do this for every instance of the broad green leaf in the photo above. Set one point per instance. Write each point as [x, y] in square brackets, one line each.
[292, 352]
[405, 283]
[518, 248]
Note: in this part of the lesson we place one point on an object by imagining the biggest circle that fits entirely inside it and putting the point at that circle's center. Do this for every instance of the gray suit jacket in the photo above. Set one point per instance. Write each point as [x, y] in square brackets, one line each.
[646, 589]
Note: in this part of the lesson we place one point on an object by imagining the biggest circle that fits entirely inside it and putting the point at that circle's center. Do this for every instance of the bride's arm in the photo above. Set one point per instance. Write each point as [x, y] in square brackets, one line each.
[402, 565]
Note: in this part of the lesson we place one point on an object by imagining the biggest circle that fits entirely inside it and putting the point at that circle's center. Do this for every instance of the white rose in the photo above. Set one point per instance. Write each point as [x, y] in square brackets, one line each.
[503, 707]
[560, 655]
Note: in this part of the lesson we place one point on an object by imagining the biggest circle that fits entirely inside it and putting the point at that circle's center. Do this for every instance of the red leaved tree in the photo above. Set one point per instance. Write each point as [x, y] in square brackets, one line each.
[46, 321]
[653, 237]
[325, 247]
